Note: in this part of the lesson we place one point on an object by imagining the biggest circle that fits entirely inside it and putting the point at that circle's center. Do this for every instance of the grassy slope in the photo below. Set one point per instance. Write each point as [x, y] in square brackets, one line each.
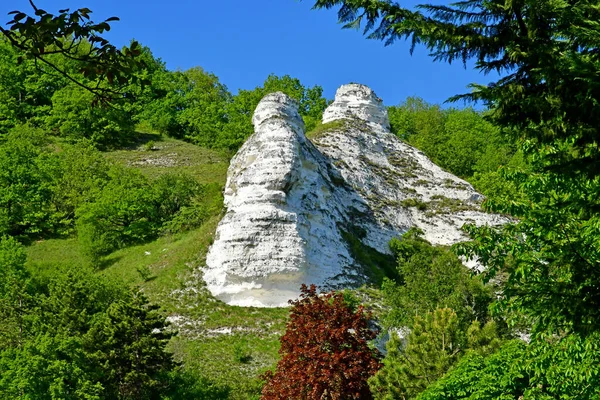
[229, 346]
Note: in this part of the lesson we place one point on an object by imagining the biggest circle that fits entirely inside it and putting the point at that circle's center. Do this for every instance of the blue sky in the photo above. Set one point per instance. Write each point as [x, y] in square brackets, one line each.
[243, 41]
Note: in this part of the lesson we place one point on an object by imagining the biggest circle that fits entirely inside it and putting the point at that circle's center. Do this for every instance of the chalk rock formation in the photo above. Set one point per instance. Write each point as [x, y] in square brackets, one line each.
[291, 202]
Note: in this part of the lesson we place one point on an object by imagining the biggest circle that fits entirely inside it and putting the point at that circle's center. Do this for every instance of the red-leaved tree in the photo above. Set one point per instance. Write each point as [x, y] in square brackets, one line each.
[324, 351]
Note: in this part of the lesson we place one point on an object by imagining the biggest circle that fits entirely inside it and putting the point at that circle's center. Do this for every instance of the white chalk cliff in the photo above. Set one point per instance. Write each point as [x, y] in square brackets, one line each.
[291, 201]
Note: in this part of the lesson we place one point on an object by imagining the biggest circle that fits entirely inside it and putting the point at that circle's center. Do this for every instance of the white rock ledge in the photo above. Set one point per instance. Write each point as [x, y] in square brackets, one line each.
[288, 200]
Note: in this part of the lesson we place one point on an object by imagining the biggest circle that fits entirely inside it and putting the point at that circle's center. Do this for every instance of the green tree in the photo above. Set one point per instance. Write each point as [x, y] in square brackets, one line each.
[419, 123]
[435, 343]
[128, 341]
[25, 91]
[565, 368]
[203, 100]
[160, 103]
[82, 174]
[239, 127]
[433, 277]
[123, 213]
[86, 337]
[74, 117]
[129, 208]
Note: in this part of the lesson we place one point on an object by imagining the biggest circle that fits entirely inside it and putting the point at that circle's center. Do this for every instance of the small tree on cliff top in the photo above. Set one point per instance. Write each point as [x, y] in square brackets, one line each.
[324, 352]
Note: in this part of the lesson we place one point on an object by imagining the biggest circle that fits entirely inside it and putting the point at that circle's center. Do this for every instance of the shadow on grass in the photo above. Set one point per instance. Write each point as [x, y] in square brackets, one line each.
[185, 386]
[104, 263]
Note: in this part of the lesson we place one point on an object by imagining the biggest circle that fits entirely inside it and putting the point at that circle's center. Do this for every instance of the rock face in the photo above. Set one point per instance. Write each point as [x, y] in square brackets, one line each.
[291, 202]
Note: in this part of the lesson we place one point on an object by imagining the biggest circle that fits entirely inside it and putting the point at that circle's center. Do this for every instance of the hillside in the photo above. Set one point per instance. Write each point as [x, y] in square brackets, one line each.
[142, 206]
[209, 331]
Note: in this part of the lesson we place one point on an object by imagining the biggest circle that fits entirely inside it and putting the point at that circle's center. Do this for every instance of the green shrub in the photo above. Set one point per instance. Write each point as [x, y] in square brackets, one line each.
[433, 277]
[124, 213]
[83, 174]
[132, 209]
[74, 117]
[27, 171]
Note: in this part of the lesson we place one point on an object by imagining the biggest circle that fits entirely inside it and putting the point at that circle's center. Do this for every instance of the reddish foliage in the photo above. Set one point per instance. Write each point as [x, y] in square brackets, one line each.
[324, 352]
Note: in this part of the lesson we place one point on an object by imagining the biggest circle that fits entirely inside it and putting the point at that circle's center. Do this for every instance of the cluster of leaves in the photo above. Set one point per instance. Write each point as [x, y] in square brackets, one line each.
[324, 351]
[436, 315]
[191, 104]
[77, 335]
[75, 37]
[131, 209]
[35, 95]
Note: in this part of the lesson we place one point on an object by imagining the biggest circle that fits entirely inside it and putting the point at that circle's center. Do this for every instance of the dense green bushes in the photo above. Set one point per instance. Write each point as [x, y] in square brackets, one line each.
[77, 335]
[551, 368]
[197, 107]
[131, 209]
[27, 171]
[49, 189]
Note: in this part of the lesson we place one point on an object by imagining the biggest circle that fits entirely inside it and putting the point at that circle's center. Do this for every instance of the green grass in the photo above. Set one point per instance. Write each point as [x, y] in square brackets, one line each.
[172, 155]
[321, 129]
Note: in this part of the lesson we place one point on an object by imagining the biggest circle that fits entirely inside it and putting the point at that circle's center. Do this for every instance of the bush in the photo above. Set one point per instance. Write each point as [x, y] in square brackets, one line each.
[434, 277]
[131, 209]
[550, 368]
[27, 172]
[83, 174]
[123, 214]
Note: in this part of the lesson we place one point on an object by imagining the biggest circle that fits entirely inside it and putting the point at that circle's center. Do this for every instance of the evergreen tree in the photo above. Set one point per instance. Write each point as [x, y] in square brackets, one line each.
[128, 343]
[435, 343]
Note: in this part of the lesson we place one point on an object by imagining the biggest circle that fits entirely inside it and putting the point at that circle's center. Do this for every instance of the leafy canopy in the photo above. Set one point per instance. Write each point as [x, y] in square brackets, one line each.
[72, 35]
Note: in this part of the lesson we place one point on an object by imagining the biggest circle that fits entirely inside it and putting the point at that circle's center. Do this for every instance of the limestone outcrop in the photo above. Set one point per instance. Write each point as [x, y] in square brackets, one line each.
[291, 202]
